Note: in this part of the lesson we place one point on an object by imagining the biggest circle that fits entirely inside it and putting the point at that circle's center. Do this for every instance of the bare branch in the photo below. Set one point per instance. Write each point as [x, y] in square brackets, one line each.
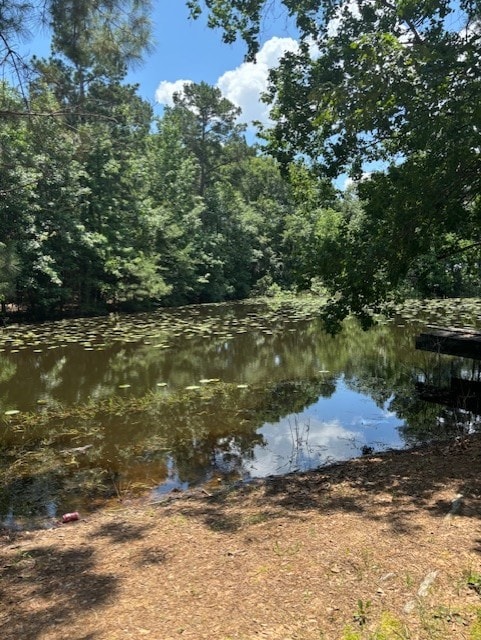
[4, 113]
[458, 250]
[410, 23]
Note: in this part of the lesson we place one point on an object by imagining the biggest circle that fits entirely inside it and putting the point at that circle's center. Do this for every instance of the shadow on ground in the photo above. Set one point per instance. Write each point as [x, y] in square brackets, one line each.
[385, 487]
[57, 585]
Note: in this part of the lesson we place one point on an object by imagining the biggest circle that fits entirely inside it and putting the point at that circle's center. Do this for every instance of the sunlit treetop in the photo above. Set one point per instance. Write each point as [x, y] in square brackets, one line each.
[112, 33]
[373, 80]
[394, 83]
[316, 18]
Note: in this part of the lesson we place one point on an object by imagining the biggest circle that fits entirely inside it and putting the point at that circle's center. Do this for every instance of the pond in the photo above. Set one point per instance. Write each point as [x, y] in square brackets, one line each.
[106, 407]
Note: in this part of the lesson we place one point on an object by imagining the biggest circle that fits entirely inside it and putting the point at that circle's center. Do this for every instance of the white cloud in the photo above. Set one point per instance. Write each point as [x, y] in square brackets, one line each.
[165, 91]
[303, 445]
[345, 182]
[244, 85]
[351, 7]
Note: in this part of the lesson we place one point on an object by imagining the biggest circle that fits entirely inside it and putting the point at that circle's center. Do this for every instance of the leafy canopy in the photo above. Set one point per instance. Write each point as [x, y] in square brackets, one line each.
[397, 83]
[374, 80]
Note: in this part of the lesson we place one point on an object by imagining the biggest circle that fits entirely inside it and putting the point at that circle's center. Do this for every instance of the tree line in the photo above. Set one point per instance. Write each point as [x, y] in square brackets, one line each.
[107, 206]
[102, 204]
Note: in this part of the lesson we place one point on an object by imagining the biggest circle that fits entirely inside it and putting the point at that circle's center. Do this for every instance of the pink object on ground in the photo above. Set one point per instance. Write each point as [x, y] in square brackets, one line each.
[69, 517]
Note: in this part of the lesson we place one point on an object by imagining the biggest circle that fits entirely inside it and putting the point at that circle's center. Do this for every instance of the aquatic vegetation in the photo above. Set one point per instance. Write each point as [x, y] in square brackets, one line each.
[111, 436]
[101, 406]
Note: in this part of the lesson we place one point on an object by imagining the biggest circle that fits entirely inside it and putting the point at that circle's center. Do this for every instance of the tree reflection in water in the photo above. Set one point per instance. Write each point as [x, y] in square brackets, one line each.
[217, 393]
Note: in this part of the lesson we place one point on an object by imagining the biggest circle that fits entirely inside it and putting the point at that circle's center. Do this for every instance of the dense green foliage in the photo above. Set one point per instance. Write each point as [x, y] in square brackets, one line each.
[101, 204]
[396, 83]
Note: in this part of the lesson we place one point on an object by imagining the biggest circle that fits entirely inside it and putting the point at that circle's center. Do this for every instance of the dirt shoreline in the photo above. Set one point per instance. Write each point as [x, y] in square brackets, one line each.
[383, 547]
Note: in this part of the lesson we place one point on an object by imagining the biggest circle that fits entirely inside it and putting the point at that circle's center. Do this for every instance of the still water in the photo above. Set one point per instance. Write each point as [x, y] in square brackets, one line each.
[100, 407]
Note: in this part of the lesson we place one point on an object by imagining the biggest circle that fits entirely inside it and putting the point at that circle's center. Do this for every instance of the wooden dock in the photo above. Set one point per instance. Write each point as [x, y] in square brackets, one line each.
[461, 394]
[465, 343]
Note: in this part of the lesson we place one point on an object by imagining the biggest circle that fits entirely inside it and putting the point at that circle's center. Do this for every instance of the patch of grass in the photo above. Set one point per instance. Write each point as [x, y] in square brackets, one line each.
[256, 518]
[440, 621]
[260, 573]
[409, 580]
[178, 518]
[363, 563]
[473, 580]
[448, 615]
[288, 550]
[475, 628]
[390, 628]
[22, 555]
[350, 634]
[362, 611]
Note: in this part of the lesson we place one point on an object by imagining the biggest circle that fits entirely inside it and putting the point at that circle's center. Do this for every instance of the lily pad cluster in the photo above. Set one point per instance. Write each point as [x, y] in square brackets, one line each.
[158, 330]
[147, 423]
[451, 312]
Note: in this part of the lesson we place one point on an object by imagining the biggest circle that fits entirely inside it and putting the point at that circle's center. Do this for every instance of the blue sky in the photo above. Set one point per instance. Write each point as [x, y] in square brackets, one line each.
[187, 49]
[184, 49]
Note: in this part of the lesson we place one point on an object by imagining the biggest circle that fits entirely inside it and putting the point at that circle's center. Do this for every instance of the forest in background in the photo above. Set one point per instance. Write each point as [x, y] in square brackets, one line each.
[104, 206]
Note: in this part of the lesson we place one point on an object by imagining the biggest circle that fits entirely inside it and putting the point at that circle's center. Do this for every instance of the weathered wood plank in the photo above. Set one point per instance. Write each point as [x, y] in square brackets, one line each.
[465, 343]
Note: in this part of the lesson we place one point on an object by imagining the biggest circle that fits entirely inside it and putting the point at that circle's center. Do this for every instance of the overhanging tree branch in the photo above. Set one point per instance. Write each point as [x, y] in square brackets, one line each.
[458, 250]
[55, 114]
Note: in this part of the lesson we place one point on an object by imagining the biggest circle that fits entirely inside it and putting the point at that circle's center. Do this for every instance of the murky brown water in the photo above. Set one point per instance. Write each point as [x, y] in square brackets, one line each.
[106, 406]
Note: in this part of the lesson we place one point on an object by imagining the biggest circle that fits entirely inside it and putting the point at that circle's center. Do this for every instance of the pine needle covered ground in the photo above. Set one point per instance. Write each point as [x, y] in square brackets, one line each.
[380, 548]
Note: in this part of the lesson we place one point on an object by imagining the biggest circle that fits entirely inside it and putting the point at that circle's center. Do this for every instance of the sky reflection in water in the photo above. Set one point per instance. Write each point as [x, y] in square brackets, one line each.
[330, 430]
[223, 392]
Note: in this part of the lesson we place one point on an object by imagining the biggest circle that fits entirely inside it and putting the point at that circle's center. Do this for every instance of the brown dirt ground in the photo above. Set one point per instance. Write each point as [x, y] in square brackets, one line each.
[286, 558]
